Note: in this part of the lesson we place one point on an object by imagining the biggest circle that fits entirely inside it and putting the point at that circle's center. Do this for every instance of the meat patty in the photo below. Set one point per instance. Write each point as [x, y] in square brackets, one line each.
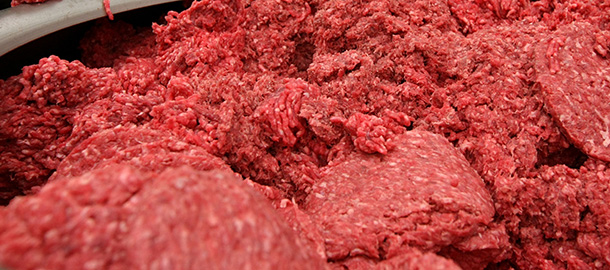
[421, 194]
[123, 218]
[412, 259]
[141, 147]
[574, 76]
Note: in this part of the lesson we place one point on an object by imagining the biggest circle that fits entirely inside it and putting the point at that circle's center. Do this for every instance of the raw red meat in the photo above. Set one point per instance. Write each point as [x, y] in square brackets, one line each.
[287, 92]
[123, 218]
[421, 194]
[560, 216]
[408, 259]
[37, 116]
[574, 75]
[144, 148]
[107, 42]
[107, 9]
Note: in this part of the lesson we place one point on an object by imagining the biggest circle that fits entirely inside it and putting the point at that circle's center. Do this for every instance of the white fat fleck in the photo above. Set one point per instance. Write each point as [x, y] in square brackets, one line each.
[606, 138]
[284, 203]
[123, 226]
[93, 264]
[180, 183]
[51, 234]
[357, 251]
[239, 225]
[418, 179]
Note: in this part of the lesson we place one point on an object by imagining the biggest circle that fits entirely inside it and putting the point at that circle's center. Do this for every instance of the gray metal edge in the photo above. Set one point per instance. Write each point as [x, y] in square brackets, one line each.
[24, 23]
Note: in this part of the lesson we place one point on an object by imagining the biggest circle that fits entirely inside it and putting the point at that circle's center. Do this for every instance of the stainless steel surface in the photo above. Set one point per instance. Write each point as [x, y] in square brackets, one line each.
[24, 23]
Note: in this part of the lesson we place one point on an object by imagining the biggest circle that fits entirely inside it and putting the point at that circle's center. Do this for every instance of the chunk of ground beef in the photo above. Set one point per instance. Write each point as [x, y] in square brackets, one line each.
[37, 116]
[120, 217]
[408, 259]
[421, 194]
[574, 76]
[108, 41]
[142, 147]
[559, 215]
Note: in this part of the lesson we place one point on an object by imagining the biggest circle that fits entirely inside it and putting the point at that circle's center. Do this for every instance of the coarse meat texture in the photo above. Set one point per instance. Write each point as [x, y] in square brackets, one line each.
[408, 259]
[574, 75]
[141, 147]
[421, 194]
[120, 217]
[470, 134]
[562, 222]
[46, 111]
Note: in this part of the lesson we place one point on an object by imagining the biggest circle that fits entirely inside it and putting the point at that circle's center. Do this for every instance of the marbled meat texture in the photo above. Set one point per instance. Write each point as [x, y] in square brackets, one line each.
[574, 75]
[305, 99]
[421, 194]
[123, 218]
[144, 148]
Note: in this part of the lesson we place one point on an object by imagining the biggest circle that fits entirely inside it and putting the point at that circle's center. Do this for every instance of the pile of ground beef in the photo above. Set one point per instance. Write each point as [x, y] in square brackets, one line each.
[119, 217]
[420, 134]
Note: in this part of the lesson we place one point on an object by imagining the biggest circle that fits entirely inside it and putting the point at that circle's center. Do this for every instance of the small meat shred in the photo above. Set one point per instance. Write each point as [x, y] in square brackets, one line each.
[107, 10]
[280, 113]
[106, 4]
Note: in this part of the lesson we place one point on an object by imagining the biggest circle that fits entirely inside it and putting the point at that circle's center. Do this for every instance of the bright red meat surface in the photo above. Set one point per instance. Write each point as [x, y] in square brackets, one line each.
[471, 134]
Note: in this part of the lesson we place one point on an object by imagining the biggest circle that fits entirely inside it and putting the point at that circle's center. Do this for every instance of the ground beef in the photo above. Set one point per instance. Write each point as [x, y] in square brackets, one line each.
[558, 211]
[144, 148]
[574, 74]
[421, 194]
[38, 115]
[123, 218]
[408, 259]
[107, 42]
[285, 93]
